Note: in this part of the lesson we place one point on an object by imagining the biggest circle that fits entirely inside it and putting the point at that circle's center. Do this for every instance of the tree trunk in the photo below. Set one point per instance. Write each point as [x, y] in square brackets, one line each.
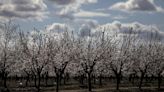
[46, 80]
[133, 79]
[130, 77]
[82, 79]
[5, 81]
[100, 80]
[64, 80]
[141, 80]
[159, 81]
[27, 80]
[35, 79]
[94, 79]
[39, 79]
[60, 77]
[57, 83]
[118, 81]
[89, 82]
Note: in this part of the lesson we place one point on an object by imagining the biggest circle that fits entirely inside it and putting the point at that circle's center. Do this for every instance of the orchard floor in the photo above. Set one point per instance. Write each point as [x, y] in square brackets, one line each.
[102, 89]
[122, 89]
[74, 86]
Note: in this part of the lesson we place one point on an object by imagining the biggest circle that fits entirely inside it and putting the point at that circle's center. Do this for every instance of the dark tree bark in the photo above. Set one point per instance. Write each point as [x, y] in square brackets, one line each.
[100, 80]
[27, 80]
[118, 74]
[5, 80]
[82, 79]
[57, 83]
[141, 80]
[118, 82]
[159, 80]
[88, 70]
[89, 82]
[35, 80]
[39, 79]
[59, 73]
[46, 78]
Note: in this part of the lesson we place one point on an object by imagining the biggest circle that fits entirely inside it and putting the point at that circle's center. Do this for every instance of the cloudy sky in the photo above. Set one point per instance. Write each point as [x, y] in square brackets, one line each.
[83, 15]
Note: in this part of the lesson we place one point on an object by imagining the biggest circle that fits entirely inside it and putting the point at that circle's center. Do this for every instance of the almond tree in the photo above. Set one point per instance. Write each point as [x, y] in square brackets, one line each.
[119, 60]
[88, 61]
[23, 65]
[61, 54]
[39, 58]
[157, 60]
[145, 55]
[142, 61]
[89, 51]
[7, 44]
[107, 49]
[35, 56]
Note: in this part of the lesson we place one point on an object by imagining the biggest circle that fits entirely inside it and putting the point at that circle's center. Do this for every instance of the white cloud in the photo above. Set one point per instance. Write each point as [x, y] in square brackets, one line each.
[83, 13]
[68, 7]
[63, 2]
[53, 31]
[58, 27]
[68, 2]
[118, 17]
[91, 28]
[137, 5]
[23, 9]
[66, 14]
[81, 28]
[86, 25]
[85, 30]
[142, 31]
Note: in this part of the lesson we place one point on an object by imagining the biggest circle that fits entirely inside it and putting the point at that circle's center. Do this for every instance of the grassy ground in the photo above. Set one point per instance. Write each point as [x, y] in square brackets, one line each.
[74, 86]
[122, 89]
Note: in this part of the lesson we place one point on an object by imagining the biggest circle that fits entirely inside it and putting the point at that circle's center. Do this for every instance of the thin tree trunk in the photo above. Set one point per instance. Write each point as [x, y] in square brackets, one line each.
[159, 81]
[60, 79]
[89, 82]
[133, 78]
[82, 79]
[64, 80]
[130, 77]
[35, 79]
[46, 80]
[118, 81]
[141, 80]
[27, 80]
[94, 79]
[5, 81]
[57, 83]
[39, 79]
[100, 80]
